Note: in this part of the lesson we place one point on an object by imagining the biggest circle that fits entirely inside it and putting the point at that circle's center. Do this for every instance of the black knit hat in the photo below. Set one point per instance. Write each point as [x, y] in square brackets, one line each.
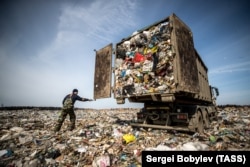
[75, 90]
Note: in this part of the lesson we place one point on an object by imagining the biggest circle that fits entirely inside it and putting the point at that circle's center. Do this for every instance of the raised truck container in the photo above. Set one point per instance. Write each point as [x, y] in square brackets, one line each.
[160, 67]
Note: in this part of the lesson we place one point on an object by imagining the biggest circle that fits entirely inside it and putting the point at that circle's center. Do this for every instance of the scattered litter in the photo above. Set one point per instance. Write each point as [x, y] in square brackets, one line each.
[105, 138]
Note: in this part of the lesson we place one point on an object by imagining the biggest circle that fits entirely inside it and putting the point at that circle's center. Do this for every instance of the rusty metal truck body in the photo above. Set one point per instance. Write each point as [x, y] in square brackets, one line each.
[160, 67]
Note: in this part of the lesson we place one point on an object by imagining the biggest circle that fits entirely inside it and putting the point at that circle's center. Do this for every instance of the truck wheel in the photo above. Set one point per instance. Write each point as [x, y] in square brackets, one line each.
[206, 119]
[200, 125]
[192, 123]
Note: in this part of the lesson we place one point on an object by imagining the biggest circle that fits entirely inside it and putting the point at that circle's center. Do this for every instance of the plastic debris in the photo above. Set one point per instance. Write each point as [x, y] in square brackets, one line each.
[194, 146]
[128, 138]
[212, 139]
[144, 63]
[102, 161]
[98, 139]
[3, 152]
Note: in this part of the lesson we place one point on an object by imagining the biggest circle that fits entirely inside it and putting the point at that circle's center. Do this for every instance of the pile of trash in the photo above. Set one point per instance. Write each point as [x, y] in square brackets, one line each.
[144, 62]
[105, 137]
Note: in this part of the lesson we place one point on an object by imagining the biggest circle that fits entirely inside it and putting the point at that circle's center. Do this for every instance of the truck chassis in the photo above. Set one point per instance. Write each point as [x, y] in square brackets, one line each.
[180, 117]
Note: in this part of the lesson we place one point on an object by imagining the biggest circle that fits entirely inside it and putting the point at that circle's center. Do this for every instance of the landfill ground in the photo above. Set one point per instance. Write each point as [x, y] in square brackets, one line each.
[27, 138]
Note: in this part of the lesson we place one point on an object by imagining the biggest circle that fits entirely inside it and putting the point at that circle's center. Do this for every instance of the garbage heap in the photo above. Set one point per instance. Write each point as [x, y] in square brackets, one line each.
[105, 138]
[144, 62]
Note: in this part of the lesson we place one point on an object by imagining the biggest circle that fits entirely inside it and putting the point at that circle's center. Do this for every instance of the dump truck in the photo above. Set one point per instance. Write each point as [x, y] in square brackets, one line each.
[159, 67]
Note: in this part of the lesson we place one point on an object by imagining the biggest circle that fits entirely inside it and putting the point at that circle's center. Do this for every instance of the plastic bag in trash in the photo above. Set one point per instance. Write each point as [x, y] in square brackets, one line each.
[6, 153]
[194, 146]
[102, 161]
[128, 138]
[138, 57]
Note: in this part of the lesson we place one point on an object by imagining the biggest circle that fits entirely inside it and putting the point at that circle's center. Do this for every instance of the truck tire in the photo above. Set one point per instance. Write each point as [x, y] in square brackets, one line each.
[196, 123]
[200, 125]
[206, 120]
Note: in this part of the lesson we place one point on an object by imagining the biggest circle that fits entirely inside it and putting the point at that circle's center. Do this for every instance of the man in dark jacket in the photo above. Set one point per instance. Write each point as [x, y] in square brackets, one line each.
[68, 108]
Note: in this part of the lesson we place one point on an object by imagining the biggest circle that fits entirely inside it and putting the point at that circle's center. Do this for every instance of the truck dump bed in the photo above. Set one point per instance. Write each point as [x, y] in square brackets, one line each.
[157, 63]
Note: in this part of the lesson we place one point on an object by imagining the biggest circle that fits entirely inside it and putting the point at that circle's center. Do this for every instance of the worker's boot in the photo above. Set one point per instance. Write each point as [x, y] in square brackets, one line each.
[57, 127]
[71, 127]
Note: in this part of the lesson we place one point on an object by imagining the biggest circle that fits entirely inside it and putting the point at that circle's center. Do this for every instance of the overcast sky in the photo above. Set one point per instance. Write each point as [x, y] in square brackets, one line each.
[46, 46]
